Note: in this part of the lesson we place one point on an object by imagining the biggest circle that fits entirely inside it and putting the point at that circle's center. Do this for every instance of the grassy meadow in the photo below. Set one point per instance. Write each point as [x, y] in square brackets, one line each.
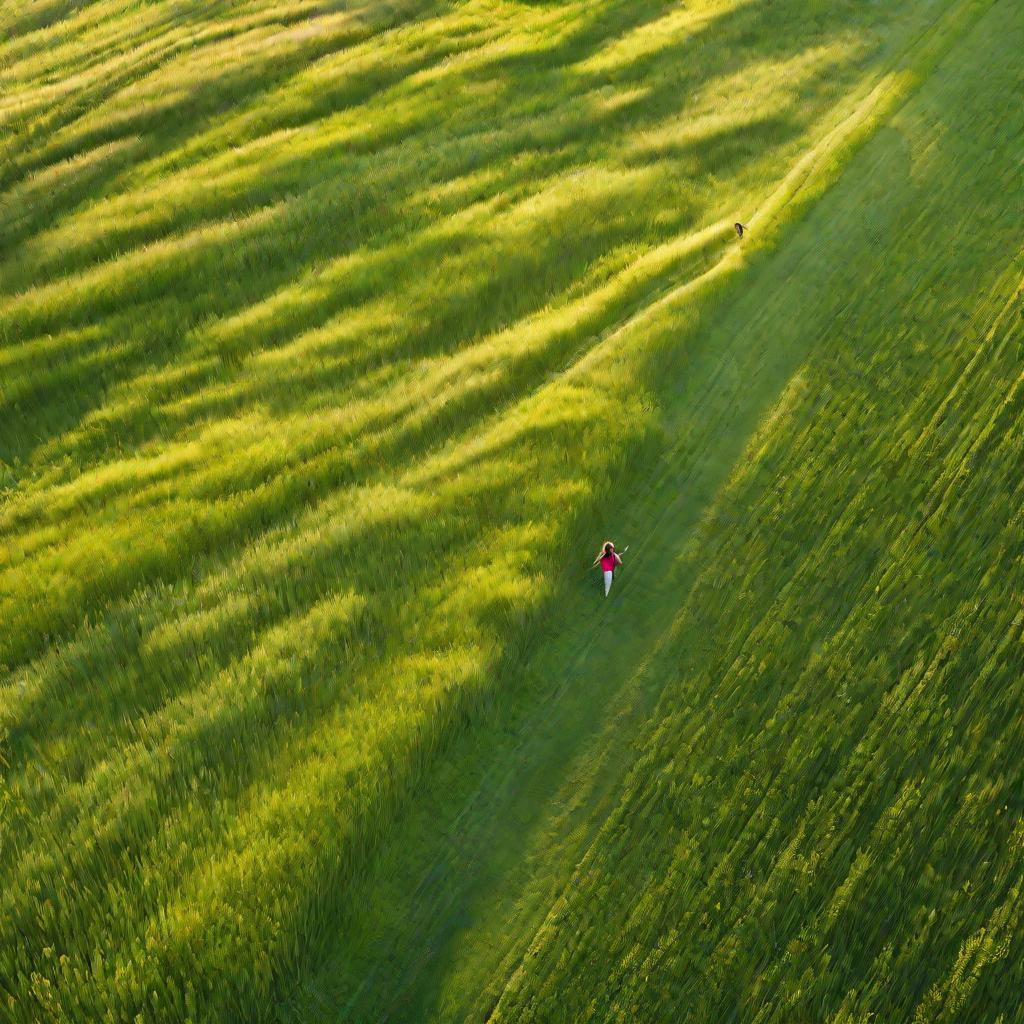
[334, 338]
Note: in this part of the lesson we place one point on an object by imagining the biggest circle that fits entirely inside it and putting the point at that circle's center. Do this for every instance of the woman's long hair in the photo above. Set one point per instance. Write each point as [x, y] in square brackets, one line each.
[606, 548]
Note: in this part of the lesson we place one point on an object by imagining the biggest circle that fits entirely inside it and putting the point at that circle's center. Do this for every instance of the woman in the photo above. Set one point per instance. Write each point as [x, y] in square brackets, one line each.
[609, 559]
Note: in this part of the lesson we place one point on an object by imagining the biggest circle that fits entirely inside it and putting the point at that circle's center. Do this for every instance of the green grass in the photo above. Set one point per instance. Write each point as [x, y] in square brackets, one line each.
[334, 339]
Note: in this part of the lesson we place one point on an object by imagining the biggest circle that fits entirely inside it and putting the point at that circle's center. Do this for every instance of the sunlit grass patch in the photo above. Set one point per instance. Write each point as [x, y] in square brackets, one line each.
[332, 340]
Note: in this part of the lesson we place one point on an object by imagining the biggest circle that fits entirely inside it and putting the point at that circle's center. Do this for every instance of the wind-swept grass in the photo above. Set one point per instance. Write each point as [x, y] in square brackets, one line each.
[331, 337]
[823, 822]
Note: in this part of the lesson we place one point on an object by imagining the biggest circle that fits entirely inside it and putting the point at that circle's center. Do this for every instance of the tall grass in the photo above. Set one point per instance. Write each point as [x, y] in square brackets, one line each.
[823, 822]
[326, 336]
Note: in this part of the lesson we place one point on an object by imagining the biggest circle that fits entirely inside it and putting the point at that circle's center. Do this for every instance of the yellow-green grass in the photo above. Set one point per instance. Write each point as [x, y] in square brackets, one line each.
[824, 820]
[330, 342]
[757, 863]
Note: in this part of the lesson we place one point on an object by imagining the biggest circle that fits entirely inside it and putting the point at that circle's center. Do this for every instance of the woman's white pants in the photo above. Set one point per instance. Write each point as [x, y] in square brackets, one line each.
[607, 581]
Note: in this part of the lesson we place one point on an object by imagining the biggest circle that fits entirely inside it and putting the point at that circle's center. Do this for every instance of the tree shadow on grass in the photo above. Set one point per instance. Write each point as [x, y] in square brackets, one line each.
[261, 723]
[399, 937]
[404, 931]
[614, 679]
[498, 297]
[314, 236]
[170, 123]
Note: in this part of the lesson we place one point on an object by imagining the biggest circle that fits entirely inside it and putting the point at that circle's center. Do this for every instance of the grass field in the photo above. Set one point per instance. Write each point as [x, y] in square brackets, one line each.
[334, 337]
